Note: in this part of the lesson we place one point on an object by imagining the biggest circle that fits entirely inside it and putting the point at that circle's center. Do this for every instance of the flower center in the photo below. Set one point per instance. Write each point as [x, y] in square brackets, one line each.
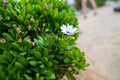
[68, 32]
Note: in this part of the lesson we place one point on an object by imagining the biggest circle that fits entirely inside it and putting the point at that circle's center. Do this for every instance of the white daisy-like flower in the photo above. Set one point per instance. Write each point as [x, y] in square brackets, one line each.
[69, 30]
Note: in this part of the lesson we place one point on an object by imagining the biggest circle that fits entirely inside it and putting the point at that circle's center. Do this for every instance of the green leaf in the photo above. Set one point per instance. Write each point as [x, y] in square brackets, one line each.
[67, 60]
[17, 47]
[13, 53]
[37, 54]
[28, 8]
[49, 63]
[28, 77]
[59, 56]
[44, 71]
[20, 18]
[33, 63]
[35, 25]
[7, 56]
[18, 65]
[22, 9]
[45, 52]
[41, 78]
[42, 66]
[37, 76]
[30, 58]
[2, 60]
[24, 53]
[26, 22]
[7, 18]
[7, 25]
[8, 37]
[50, 57]
[51, 76]
[70, 76]
[38, 8]
[13, 13]
[40, 40]
[22, 60]
[22, 2]
[45, 59]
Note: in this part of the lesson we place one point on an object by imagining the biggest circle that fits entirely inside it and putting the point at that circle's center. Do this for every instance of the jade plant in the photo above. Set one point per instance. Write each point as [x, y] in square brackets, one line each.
[37, 40]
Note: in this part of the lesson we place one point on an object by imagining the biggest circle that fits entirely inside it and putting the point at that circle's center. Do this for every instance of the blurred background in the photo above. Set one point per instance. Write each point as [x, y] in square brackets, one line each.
[100, 39]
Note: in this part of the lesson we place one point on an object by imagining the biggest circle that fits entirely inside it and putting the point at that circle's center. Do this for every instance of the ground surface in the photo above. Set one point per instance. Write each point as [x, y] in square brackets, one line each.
[100, 40]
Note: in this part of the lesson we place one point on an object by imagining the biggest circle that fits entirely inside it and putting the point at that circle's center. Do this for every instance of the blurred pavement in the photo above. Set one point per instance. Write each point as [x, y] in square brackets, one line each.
[100, 40]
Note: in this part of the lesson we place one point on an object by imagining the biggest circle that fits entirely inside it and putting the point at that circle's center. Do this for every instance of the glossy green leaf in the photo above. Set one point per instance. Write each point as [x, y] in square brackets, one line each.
[51, 76]
[67, 60]
[28, 77]
[41, 78]
[22, 2]
[49, 63]
[37, 54]
[70, 76]
[33, 63]
[20, 18]
[28, 8]
[42, 66]
[18, 65]
[8, 37]
[23, 60]
[45, 52]
[17, 47]
[7, 56]
[35, 25]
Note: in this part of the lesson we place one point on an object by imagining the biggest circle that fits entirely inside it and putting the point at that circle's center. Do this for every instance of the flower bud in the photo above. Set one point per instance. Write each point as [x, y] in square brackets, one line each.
[46, 7]
[38, 29]
[32, 20]
[46, 30]
[73, 64]
[2, 41]
[5, 3]
[14, 25]
[18, 30]
[43, 24]
[20, 40]
[29, 27]
[10, 30]
[28, 40]
[33, 43]
[69, 69]
[1, 19]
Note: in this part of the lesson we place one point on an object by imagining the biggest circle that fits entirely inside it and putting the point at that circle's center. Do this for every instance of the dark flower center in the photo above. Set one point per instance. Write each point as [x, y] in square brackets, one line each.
[68, 32]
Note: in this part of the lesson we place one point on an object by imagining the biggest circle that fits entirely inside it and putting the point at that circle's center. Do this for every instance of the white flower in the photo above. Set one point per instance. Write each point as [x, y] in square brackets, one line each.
[69, 30]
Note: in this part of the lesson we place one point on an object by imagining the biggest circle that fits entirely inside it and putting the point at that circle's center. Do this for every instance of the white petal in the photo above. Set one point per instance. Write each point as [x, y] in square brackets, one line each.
[63, 28]
[69, 28]
[74, 30]
[64, 31]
